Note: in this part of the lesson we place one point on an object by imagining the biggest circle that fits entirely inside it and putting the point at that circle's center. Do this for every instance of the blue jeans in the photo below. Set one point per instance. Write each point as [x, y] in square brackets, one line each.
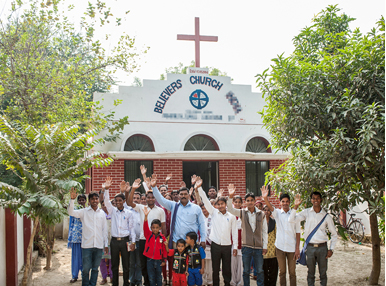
[154, 271]
[135, 266]
[257, 255]
[91, 258]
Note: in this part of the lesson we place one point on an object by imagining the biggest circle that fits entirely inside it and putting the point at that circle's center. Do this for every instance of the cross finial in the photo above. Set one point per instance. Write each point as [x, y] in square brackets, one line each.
[197, 38]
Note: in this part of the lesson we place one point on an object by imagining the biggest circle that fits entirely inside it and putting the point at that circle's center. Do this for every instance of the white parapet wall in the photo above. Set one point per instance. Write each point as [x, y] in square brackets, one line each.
[20, 243]
[2, 248]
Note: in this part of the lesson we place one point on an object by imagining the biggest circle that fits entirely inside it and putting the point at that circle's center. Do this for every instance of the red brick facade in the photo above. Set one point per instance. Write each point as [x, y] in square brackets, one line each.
[230, 172]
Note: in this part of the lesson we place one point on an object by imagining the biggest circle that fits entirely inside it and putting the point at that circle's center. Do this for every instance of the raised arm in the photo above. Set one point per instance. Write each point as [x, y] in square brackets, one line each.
[160, 199]
[125, 187]
[108, 204]
[70, 209]
[231, 209]
[200, 193]
[264, 194]
[135, 186]
[297, 217]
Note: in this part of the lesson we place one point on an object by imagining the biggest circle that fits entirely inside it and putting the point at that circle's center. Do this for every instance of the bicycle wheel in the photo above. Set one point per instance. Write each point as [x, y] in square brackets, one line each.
[356, 231]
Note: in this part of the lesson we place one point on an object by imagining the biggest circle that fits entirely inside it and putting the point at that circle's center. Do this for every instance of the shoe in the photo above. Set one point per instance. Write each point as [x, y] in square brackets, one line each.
[254, 277]
[73, 280]
[103, 282]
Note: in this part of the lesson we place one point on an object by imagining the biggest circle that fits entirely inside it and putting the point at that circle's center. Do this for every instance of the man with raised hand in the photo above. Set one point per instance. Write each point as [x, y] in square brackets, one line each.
[224, 228]
[188, 217]
[254, 235]
[122, 231]
[154, 213]
[94, 236]
[135, 258]
[317, 249]
[287, 237]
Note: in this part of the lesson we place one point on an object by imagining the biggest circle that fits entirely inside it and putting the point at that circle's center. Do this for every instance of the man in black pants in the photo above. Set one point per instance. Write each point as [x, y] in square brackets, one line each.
[223, 226]
[122, 229]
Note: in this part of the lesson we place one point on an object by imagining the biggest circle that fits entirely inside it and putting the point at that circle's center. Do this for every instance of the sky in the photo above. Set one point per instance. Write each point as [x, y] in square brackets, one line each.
[250, 33]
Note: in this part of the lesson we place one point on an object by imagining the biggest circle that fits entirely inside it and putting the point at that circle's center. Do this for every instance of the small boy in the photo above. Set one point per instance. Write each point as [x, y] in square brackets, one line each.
[156, 249]
[180, 264]
[196, 260]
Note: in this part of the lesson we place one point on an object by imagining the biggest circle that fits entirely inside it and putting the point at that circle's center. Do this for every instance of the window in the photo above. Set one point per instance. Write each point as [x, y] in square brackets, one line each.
[201, 143]
[255, 175]
[132, 171]
[140, 143]
[258, 145]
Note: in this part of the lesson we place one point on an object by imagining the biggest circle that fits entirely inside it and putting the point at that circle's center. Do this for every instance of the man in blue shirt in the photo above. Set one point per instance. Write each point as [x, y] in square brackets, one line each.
[189, 217]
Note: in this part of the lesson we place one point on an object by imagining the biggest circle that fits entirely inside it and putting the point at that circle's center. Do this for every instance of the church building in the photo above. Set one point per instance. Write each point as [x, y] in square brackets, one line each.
[189, 124]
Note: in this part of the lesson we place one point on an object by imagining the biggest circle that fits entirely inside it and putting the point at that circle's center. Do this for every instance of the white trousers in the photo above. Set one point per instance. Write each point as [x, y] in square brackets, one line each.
[237, 269]
[207, 277]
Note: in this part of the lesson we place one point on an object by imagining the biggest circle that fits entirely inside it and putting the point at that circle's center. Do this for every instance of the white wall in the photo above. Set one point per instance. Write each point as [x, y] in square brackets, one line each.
[20, 243]
[359, 211]
[168, 133]
[2, 247]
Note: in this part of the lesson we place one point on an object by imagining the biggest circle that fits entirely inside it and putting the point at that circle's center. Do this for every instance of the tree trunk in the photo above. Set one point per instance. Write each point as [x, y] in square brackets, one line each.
[376, 245]
[29, 253]
[50, 245]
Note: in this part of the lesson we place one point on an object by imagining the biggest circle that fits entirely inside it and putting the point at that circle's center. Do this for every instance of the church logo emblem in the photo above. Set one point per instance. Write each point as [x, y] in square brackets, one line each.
[199, 99]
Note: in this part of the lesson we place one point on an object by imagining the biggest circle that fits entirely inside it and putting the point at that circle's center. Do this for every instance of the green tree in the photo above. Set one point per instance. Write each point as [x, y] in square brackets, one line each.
[326, 106]
[50, 160]
[48, 72]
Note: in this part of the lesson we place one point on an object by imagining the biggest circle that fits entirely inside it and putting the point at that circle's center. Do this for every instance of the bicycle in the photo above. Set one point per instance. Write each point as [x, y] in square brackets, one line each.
[354, 227]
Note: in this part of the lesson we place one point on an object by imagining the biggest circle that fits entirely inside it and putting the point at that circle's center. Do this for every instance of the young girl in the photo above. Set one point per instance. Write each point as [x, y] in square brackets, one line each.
[156, 249]
[237, 262]
[180, 259]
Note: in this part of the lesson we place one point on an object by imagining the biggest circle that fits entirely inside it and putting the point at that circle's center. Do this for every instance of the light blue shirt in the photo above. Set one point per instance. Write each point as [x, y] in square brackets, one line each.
[189, 218]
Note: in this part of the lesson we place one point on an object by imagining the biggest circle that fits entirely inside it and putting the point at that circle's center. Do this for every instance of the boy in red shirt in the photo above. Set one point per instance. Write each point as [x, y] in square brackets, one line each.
[180, 264]
[156, 249]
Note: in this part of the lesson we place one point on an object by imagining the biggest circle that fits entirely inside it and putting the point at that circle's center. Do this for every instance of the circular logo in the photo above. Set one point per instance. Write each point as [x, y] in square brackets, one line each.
[199, 99]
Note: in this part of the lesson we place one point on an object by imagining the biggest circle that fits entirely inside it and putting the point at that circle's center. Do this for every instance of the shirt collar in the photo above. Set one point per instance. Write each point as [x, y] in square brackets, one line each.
[256, 210]
[282, 211]
[322, 211]
[90, 208]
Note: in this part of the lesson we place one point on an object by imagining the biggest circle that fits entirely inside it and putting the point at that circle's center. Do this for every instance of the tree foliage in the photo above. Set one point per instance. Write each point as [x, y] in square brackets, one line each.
[326, 106]
[49, 70]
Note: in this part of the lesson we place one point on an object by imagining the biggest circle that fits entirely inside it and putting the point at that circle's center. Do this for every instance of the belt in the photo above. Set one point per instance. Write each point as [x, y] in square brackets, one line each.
[318, 244]
[121, 238]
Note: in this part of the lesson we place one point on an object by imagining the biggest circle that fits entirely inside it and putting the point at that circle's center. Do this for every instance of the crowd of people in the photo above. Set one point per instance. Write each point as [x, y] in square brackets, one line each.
[187, 237]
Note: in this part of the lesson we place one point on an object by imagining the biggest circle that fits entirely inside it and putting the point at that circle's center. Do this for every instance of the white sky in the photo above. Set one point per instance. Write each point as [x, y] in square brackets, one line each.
[250, 33]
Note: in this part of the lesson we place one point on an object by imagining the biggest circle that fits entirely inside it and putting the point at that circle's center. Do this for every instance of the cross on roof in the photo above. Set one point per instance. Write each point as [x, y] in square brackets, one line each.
[197, 38]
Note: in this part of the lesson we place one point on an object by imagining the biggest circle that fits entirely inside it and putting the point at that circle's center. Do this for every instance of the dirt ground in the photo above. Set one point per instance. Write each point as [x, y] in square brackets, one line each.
[350, 265]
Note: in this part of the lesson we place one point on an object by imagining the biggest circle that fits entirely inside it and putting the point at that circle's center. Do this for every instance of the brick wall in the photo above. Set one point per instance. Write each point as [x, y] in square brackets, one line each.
[230, 172]
[166, 166]
[116, 171]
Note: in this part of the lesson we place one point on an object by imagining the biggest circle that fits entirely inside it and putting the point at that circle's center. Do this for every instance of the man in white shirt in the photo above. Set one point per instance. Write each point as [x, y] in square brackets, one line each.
[287, 237]
[122, 231]
[223, 226]
[254, 235]
[94, 236]
[154, 213]
[317, 249]
[135, 260]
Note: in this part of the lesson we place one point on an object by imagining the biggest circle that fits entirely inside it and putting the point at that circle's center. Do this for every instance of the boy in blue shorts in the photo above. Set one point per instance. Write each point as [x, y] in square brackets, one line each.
[196, 259]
